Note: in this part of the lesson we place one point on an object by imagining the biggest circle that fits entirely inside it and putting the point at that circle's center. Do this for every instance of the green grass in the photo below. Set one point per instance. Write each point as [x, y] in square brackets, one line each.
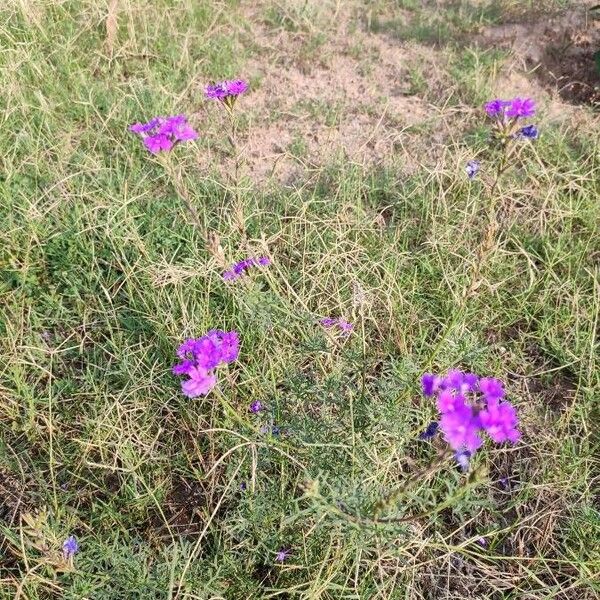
[103, 274]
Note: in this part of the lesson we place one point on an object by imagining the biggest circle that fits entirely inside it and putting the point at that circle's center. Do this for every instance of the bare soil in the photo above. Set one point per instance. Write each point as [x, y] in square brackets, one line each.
[559, 50]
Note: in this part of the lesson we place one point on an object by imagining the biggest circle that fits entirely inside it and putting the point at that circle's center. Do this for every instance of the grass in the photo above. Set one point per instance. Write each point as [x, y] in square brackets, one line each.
[104, 273]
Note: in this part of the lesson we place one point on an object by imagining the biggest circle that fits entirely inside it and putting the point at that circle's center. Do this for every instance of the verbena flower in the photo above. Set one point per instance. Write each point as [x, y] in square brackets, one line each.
[491, 388]
[162, 133]
[461, 428]
[200, 356]
[469, 406]
[430, 431]
[516, 108]
[239, 268]
[70, 547]
[520, 108]
[226, 91]
[529, 131]
[495, 108]
[344, 326]
[500, 422]
[430, 383]
[463, 458]
[472, 168]
[282, 555]
[256, 406]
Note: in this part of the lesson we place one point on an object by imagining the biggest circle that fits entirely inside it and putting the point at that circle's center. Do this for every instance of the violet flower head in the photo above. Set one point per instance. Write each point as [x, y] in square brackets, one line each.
[495, 108]
[461, 428]
[201, 356]
[226, 91]
[70, 547]
[344, 327]
[430, 383]
[491, 388]
[282, 555]
[239, 268]
[200, 382]
[500, 422]
[430, 431]
[463, 458]
[469, 406]
[520, 108]
[163, 133]
[472, 168]
[529, 132]
[256, 406]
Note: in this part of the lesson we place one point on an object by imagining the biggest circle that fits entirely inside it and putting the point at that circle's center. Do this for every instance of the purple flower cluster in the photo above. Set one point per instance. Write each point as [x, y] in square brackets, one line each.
[472, 168]
[517, 108]
[226, 91]
[70, 547]
[529, 131]
[162, 133]
[201, 356]
[256, 406]
[462, 421]
[241, 267]
[345, 327]
[507, 113]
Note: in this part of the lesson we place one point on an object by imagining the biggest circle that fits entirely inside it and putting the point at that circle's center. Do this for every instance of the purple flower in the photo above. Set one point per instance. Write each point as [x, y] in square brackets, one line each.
[282, 554]
[430, 383]
[230, 345]
[468, 406]
[70, 547]
[500, 422]
[463, 458]
[243, 486]
[529, 131]
[430, 431]
[495, 108]
[491, 388]
[461, 428]
[447, 401]
[472, 168]
[242, 266]
[520, 108]
[236, 87]
[459, 381]
[328, 321]
[200, 382]
[162, 133]
[200, 356]
[256, 406]
[158, 142]
[145, 127]
[183, 368]
[226, 91]
[216, 91]
[344, 326]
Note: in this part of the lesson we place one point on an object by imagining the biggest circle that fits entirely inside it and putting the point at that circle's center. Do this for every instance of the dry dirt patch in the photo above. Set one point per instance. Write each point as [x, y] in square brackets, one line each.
[345, 96]
[560, 50]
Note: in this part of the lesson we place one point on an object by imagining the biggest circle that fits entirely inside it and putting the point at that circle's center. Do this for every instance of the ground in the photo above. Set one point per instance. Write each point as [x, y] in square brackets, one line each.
[349, 173]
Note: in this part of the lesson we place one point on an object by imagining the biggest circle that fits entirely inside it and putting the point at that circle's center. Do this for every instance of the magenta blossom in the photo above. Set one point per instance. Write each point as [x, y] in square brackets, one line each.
[521, 108]
[201, 356]
[239, 268]
[470, 405]
[343, 326]
[495, 108]
[281, 555]
[226, 91]
[516, 108]
[163, 133]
